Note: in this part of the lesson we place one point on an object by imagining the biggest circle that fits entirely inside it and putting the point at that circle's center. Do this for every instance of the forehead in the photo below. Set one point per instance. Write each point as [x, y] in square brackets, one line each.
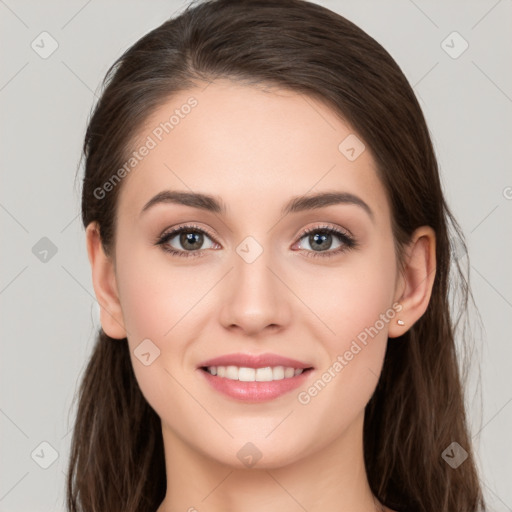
[253, 147]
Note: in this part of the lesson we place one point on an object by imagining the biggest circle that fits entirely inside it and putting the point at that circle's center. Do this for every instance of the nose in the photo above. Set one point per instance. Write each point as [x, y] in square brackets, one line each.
[255, 296]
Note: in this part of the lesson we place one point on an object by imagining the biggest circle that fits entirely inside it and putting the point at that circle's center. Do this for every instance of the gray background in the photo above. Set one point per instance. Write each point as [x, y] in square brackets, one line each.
[49, 313]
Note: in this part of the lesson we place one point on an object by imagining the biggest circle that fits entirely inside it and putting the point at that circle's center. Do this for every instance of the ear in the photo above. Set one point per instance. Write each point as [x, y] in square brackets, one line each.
[415, 282]
[105, 287]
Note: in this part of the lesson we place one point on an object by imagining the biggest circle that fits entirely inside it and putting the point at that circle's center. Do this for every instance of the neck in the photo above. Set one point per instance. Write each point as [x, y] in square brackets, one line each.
[332, 479]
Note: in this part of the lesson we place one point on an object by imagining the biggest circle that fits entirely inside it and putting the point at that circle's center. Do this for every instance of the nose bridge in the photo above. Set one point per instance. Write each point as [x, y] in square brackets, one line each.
[254, 283]
[254, 299]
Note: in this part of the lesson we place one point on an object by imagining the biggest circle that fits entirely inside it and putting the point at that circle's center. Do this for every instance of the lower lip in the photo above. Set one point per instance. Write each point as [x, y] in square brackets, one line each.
[255, 391]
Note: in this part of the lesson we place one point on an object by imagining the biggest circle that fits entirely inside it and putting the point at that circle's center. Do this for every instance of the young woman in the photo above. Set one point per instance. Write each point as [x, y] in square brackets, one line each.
[270, 248]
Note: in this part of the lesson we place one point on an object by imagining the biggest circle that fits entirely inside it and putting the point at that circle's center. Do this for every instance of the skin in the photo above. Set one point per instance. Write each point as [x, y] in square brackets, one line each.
[256, 149]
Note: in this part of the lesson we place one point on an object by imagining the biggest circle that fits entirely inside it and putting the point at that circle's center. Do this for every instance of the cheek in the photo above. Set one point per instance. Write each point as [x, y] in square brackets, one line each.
[155, 301]
[166, 305]
[368, 308]
[154, 296]
[351, 299]
[359, 307]
[146, 306]
[351, 368]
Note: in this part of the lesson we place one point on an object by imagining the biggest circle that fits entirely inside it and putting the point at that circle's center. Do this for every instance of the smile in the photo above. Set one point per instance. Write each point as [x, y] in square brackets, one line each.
[266, 374]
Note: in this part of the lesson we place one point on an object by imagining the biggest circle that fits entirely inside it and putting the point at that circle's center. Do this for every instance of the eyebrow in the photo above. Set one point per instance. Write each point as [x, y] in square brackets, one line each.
[296, 204]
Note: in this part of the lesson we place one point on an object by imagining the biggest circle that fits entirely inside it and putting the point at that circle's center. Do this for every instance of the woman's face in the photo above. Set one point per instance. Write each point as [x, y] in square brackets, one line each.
[247, 281]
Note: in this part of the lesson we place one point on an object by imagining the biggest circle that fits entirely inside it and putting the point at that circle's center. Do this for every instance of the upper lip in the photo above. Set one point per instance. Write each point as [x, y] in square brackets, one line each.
[254, 361]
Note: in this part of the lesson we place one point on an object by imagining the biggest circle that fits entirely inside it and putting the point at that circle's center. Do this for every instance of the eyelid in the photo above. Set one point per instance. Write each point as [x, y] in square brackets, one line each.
[191, 226]
[327, 227]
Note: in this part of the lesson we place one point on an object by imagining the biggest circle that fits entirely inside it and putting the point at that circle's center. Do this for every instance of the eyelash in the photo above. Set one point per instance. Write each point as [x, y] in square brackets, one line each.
[348, 241]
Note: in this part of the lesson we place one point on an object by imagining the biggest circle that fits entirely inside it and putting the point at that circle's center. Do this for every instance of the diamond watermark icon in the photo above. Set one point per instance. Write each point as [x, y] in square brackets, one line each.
[146, 352]
[44, 455]
[44, 249]
[454, 455]
[44, 45]
[454, 45]
[249, 454]
[351, 147]
[249, 249]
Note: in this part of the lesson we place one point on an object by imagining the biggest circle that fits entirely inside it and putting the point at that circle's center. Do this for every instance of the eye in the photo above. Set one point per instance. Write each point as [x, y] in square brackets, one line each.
[320, 239]
[191, 238]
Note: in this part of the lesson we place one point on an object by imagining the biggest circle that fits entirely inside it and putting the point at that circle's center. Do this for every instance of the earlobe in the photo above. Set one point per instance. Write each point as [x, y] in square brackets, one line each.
[104, 283]
[416, 280]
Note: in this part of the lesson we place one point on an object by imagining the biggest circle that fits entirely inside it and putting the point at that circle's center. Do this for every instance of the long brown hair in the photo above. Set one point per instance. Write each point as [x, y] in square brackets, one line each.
[117, 457]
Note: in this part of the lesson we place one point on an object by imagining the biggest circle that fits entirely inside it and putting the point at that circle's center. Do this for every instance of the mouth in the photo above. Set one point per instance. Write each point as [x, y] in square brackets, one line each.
[254, 378]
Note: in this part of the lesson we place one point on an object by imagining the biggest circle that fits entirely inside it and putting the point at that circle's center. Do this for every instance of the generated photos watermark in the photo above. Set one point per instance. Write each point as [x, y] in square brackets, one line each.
[358, 344]
[151, 142]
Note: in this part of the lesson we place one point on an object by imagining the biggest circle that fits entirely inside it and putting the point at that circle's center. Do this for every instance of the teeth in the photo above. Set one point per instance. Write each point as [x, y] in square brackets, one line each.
[289, 372]
[245, 374]
[231, 372]
[278, 373]
[254, 374]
